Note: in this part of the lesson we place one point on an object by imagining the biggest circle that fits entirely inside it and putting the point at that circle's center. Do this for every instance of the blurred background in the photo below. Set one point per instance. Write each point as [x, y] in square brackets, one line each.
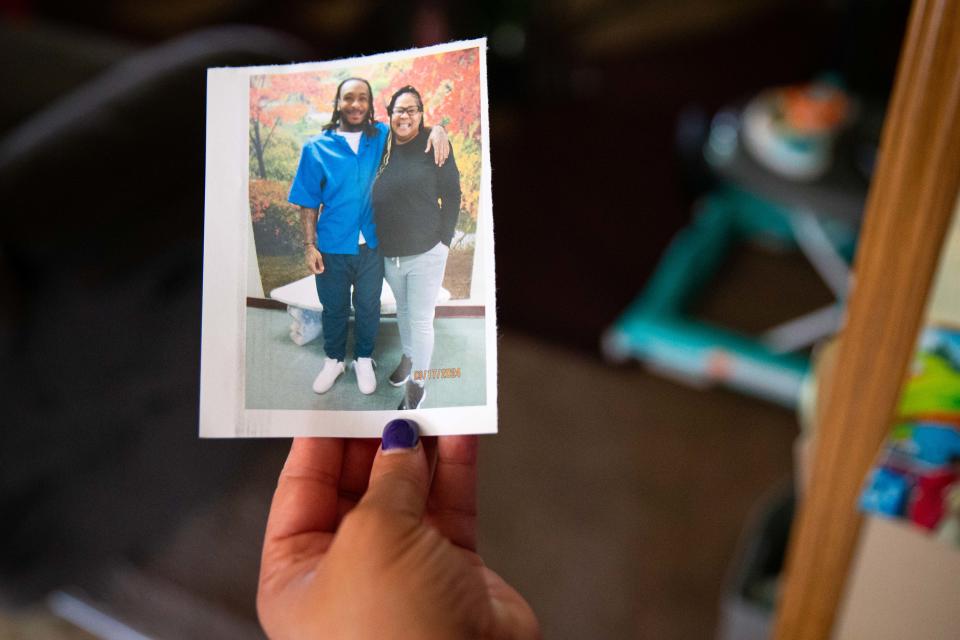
[624, 503]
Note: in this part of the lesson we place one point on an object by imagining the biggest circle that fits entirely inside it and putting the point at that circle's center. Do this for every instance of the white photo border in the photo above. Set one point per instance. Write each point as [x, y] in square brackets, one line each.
[227, 253]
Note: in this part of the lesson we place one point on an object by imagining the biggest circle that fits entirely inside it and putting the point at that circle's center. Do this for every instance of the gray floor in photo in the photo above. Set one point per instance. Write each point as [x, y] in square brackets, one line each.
[279, 374]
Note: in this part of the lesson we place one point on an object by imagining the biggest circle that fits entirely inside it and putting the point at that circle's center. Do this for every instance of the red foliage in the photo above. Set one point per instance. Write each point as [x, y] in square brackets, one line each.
[450, 86]
[280, 98]
[449, 83]
[276, 222]
[264, 194]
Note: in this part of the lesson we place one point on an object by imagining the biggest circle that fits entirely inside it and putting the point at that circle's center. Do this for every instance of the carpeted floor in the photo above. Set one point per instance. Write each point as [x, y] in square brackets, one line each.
[611, 498]
[614, 499]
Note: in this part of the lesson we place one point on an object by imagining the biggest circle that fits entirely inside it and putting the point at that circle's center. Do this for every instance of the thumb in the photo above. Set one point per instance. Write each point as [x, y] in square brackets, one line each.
[400, 478]
[512, 615]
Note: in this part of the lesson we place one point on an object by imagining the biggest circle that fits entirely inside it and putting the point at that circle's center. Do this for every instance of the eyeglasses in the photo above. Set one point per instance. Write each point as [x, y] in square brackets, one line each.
[409, 111]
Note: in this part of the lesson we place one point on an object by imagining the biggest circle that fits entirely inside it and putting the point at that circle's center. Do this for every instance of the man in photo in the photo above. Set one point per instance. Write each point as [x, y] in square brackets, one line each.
[333, 188]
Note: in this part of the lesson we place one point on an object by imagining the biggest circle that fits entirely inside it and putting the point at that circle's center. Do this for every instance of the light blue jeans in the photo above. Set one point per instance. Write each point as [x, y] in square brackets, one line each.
[415, 281]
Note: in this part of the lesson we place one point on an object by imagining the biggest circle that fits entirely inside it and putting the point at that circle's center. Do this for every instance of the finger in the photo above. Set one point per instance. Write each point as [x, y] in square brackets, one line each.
[452, 504]
[429, 145]
[319, 264]
[437, 152]
[399, 478]
[306, 495]
[358, 457]
[429, 444]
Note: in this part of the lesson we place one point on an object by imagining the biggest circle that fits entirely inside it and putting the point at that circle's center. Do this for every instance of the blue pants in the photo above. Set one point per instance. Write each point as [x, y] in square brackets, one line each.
[364, 272]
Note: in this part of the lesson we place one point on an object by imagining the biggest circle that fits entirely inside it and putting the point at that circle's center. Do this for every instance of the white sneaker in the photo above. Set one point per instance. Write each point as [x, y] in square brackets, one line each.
[328, 375]
[366, 378]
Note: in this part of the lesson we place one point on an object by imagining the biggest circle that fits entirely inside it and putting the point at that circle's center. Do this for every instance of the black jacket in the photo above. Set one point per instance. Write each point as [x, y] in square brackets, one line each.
[415, 203]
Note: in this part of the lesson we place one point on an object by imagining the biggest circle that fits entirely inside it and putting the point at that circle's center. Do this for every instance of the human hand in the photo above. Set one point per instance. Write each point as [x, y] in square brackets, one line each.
[401, 563]
[314, 260]
[440, 143]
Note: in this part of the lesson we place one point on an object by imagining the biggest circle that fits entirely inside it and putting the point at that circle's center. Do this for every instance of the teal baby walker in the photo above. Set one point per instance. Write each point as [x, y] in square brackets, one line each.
[752, 204]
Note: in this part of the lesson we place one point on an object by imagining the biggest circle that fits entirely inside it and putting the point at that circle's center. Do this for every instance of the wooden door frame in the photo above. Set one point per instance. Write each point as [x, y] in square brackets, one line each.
[908, 211]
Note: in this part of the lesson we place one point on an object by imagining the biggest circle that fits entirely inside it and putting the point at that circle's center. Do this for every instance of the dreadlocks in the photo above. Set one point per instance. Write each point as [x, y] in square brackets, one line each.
[334, 124]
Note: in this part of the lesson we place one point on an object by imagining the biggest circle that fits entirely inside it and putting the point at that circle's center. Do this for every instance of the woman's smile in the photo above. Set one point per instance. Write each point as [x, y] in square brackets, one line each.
[405, 119]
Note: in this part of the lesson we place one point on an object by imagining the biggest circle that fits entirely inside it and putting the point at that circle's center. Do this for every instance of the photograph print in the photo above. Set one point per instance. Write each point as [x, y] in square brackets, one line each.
[362, 276]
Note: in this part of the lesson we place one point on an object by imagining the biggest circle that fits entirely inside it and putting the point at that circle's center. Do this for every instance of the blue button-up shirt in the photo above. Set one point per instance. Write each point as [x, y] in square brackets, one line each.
[332, 175]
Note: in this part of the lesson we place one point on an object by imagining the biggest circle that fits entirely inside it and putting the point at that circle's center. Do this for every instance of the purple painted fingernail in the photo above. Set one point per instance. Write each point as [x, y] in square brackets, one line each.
[400, 434]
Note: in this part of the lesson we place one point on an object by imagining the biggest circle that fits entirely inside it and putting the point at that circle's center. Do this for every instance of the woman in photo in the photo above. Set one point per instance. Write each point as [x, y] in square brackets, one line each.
[416, 205]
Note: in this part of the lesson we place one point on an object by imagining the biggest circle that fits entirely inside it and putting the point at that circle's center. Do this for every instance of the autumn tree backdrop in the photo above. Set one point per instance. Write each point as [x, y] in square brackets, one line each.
[288, 109]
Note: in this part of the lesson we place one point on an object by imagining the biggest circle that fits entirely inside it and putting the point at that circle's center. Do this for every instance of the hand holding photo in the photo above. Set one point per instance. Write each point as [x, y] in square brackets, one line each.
[353, 198]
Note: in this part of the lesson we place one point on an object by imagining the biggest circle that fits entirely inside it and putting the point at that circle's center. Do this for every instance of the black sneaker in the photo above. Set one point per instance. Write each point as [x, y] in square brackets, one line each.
[402, 373]
[413, 395]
